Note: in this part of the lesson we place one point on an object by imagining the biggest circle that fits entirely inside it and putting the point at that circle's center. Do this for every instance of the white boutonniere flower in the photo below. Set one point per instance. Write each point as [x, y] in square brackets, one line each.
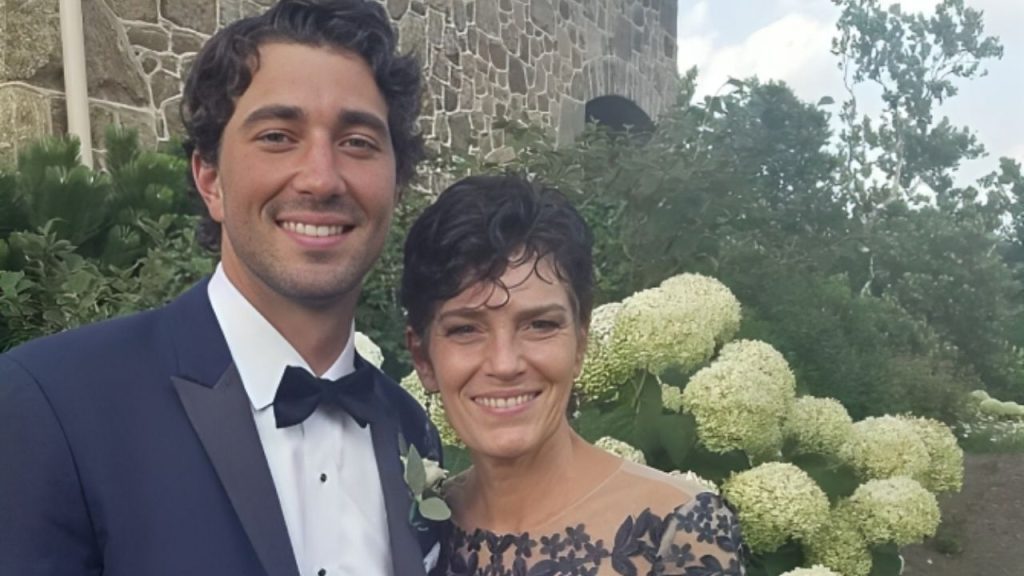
[425, 478]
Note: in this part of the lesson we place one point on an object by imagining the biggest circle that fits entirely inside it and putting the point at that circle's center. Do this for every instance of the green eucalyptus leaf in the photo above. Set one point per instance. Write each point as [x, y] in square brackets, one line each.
[415, 472]
[435, 509]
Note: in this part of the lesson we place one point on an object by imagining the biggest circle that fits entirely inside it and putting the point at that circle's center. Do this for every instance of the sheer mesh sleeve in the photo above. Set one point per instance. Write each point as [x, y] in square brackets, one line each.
[701, 538]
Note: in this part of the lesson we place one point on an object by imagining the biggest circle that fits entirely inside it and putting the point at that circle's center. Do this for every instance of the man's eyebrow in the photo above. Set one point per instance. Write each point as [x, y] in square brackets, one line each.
[273, 112]
[350, 118]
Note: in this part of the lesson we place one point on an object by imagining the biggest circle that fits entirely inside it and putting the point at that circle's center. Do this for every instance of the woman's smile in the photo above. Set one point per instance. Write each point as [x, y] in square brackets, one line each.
[505, 404]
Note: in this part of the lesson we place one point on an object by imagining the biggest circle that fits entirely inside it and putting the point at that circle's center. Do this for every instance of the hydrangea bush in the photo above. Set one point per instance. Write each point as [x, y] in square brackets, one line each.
[664, 375]
[992, 425]
[664, 382]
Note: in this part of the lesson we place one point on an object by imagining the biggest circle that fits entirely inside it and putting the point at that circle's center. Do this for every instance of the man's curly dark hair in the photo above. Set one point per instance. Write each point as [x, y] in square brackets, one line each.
[224, 68]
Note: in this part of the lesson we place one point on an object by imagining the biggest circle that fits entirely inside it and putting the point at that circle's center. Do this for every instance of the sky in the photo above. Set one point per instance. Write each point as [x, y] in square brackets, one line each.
[790, 40]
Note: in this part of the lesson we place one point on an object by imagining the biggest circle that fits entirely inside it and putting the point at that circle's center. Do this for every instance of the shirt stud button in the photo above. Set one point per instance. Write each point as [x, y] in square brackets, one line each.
[321, 572]
[323, 478]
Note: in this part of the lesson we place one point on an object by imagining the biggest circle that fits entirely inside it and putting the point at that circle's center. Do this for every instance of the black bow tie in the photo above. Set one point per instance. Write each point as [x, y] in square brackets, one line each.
[300, 392]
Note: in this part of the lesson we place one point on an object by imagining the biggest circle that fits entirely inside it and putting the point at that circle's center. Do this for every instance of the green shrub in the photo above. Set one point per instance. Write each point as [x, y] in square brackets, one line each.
[96, 211]
[55, 288]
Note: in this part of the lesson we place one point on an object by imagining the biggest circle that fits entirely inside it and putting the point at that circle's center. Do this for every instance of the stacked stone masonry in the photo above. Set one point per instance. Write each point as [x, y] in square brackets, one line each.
[484, 60]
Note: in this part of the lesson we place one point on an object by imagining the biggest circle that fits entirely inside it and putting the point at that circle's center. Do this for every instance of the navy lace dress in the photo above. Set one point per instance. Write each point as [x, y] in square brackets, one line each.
[638, 522]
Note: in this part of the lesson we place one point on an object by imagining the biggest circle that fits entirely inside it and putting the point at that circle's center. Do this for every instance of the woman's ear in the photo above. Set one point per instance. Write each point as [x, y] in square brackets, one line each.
[581, 350]
[421, 359]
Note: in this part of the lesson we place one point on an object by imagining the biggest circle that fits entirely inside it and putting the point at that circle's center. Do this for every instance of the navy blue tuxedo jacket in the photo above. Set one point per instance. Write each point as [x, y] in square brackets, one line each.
[128, 448]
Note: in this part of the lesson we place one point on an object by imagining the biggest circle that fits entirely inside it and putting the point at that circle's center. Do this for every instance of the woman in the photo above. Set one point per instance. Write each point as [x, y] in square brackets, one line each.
[498, 286]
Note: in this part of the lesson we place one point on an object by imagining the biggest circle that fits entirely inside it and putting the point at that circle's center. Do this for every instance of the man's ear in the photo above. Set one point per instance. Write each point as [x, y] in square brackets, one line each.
[421, 359]
[207, 179]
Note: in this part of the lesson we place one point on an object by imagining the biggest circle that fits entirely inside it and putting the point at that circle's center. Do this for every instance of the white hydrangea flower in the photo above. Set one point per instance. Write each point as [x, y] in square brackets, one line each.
[840, 546]
[712, 304]
[817, 425]
[884, 447]
[652, 331]
[621, 449]
[679, 323]
[434, 408]
[896, 510]
[767, 359]
[676, 324]
[671, 397]
[604, 367]
[368, 349]
[776, 502]
[742, 398]
[816, 570]
[945, 471]
[694, 479]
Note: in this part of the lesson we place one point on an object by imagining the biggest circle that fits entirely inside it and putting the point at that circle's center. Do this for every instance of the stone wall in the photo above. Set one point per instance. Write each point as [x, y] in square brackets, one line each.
[484, 60]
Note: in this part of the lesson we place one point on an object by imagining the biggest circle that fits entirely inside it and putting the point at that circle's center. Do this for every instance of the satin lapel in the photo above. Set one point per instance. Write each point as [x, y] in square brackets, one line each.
[222, 418]
[405, 549]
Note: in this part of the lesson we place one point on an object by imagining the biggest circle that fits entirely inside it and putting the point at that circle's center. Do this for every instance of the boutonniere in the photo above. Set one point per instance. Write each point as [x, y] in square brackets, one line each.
[425, 478]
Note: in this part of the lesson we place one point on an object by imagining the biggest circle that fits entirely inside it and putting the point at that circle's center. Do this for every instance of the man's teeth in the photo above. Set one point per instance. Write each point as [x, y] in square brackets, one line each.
[503, 403]
[312, 230]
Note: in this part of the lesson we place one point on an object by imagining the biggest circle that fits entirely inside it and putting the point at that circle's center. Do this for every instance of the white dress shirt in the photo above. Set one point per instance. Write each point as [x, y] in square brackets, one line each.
[324, 469]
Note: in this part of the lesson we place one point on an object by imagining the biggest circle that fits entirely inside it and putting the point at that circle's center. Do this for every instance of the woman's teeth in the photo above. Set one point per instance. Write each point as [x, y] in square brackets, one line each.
[504, 403]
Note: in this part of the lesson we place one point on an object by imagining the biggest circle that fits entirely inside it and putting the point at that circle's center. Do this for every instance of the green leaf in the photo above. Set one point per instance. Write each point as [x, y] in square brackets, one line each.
[435, 509]
[415, 473]
[9, 283]
[456, 459]
[886, 560]
[716, 467]
[648, 414]
[836, 479]
[786, 558]
[595, 423]
[677, 436]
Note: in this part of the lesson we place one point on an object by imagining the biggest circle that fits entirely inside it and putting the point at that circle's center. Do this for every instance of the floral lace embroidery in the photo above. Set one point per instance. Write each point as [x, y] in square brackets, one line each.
[646, 544]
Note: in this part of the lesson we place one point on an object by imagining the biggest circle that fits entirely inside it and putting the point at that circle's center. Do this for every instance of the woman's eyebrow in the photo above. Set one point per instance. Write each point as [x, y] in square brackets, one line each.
[476, 312]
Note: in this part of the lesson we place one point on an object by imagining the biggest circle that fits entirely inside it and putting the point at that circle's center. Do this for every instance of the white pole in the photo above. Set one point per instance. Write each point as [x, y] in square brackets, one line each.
[75, 86]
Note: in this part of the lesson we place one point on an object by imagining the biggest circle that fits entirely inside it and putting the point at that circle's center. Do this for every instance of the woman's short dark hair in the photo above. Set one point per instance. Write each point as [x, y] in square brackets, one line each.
[480, 226]
[224, 68]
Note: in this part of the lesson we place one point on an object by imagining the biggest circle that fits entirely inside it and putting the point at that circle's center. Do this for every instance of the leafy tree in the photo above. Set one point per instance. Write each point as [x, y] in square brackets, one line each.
[917, 237]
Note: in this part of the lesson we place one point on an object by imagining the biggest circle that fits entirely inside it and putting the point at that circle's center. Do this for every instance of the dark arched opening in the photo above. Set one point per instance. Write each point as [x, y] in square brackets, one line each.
[619, 114]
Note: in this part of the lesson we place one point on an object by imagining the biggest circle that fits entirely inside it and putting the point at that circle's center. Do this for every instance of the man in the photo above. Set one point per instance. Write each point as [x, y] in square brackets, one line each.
[195, 439]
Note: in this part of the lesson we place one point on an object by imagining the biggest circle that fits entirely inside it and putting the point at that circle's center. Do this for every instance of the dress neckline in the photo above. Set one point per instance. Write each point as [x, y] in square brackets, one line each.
[549, 521]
